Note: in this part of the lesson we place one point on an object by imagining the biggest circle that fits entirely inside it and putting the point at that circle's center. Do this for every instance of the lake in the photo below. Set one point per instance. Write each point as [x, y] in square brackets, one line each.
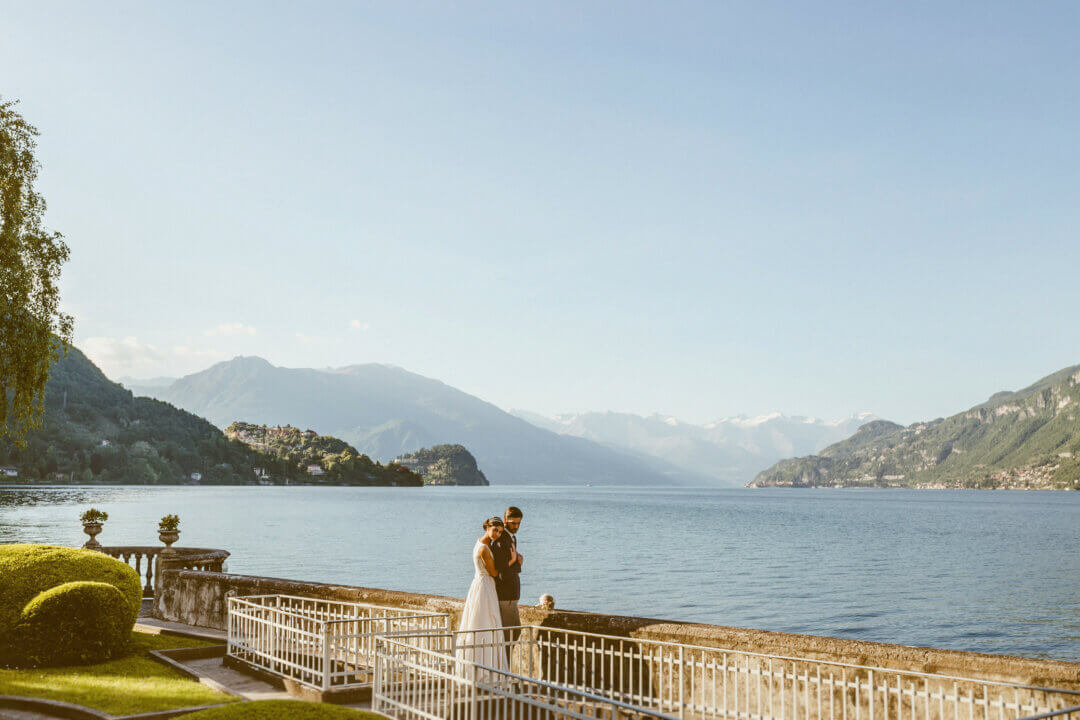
[989, 571]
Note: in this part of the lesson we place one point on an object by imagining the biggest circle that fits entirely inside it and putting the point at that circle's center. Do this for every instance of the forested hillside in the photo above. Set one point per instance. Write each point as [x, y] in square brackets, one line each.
[1024, 439]
[96, 431]
[444, 465]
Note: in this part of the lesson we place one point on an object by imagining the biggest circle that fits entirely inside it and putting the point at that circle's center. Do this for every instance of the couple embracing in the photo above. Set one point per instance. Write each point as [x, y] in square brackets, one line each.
[492, 602]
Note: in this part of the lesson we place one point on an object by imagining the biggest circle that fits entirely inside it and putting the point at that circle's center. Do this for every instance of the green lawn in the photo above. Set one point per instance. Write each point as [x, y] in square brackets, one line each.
[125, 686]
[278, 709]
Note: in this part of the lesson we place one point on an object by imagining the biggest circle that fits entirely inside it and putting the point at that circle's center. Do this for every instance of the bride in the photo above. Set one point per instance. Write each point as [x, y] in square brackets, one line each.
[480, 640]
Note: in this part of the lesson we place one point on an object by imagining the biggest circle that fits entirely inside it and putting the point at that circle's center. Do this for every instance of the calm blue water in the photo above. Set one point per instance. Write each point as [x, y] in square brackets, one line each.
[987, 571]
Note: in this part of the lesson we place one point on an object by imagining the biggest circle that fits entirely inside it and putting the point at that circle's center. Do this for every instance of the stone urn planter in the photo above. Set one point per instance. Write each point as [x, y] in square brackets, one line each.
[168, 537]
[92, 529]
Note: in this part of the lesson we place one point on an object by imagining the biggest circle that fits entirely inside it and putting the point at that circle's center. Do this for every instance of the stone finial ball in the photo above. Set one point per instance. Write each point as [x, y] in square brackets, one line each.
[547, 602]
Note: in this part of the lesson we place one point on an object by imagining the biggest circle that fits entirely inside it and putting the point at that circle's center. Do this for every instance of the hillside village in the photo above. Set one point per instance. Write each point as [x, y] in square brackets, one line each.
[296, 456]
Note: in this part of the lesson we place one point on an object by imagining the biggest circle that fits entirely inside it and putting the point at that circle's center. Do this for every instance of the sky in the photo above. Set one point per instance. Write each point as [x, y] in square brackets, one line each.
[698, 209]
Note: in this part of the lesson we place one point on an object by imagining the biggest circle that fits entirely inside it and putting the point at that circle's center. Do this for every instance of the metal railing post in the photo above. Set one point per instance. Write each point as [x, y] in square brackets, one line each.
[460, 666]
[268, 634]
[532, 648]
[871, 675]
[377, 680]
[327, 628]
[682, 671]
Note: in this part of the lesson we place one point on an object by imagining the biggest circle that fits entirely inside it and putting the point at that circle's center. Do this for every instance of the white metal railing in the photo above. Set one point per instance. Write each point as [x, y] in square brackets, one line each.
[688, 681]
[433, 683]
[324, 644]
[1070, 713]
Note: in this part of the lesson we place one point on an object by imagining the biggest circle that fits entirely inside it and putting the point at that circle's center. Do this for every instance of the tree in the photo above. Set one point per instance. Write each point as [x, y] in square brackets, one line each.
[33, 331]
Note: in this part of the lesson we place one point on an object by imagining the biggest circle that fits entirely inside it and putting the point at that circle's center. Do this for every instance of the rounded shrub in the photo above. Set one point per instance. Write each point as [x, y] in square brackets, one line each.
[26, 571]
[76, 623]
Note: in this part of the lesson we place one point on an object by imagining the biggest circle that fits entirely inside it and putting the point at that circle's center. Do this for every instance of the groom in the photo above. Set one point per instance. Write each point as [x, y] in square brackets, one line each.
[508, 563]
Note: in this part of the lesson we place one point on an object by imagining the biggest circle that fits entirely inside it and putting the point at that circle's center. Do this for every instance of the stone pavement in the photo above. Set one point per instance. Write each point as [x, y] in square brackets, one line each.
[6, 714]
[154, 626]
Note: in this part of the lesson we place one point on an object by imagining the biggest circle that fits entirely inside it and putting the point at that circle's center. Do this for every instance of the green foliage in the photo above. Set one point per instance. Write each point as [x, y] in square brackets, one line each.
[77, 622]
[446, 465]
[33, 331]
[32, 570]
[1024, 439]
[290, 452]
[169, 523]
[276, 709]
[94, 516]
[94, 430]
[131, 684]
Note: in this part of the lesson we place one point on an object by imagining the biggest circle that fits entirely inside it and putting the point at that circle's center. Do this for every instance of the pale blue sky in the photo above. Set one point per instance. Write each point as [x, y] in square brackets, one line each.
[699, 209]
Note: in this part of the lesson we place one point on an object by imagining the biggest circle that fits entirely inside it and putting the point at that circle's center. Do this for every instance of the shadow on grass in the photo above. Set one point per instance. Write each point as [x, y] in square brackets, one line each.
[124, 686]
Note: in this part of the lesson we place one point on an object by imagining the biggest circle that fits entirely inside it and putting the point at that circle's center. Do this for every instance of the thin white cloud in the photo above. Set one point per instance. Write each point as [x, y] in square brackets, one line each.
[360, 325]
[127, 356]
[122, 356]
[232, 329]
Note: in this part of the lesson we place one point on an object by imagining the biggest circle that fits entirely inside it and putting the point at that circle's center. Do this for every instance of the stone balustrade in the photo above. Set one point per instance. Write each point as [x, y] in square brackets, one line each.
[140, 557]
[148, 560]
[207, 559]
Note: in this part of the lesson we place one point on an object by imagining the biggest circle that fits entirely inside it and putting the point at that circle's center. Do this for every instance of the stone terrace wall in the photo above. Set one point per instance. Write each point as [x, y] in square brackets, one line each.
[198, 598]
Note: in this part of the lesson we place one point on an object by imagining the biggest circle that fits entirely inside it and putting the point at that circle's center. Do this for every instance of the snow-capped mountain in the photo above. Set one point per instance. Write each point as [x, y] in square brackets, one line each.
[732, 450]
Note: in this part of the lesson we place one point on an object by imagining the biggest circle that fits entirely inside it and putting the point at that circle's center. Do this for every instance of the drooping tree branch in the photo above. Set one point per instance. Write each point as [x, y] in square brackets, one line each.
[33, 330]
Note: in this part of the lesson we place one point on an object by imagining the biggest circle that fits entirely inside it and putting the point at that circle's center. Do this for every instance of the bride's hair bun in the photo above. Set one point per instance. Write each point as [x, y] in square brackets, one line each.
[497, 521]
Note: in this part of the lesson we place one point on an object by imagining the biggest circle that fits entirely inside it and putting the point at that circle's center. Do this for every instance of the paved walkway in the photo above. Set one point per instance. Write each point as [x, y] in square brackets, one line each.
[156, 627]
[6, 714]
[234, 681]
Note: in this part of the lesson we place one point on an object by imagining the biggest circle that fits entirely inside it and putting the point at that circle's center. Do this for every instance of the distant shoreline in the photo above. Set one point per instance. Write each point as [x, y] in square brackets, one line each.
[900, 487]
[510, 487]
[24, 483]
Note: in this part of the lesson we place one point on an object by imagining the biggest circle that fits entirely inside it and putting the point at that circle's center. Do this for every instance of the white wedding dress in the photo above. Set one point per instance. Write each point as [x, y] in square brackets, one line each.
[481, 639]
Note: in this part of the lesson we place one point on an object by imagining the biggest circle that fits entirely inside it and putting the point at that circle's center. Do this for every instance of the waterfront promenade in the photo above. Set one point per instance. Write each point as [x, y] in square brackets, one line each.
[309, 640]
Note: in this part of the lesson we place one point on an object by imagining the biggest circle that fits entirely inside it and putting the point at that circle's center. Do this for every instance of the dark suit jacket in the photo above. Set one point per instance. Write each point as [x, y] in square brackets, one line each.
[507, 585]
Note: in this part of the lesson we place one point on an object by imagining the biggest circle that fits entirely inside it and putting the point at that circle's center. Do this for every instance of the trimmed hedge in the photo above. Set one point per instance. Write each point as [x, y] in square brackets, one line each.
[29, 571]
[77, 623]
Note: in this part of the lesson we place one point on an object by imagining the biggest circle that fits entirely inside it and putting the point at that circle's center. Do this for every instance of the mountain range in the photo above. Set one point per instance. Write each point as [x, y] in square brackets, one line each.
[97, 431]
[730, 450]
[1024, 439]
[385, 411]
